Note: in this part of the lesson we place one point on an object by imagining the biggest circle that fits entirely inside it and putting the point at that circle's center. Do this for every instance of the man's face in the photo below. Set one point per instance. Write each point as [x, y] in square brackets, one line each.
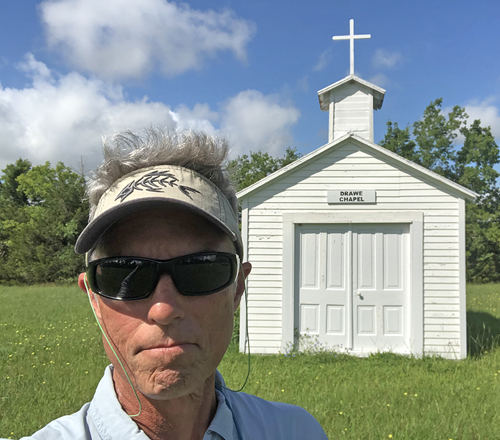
[170, 343]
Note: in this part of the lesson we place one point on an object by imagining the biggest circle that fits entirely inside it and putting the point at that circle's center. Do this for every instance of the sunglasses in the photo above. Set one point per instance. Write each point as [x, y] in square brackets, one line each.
[133, 278]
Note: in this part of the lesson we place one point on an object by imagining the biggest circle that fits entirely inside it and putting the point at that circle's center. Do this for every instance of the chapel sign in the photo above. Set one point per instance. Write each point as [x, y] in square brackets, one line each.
[349, 196]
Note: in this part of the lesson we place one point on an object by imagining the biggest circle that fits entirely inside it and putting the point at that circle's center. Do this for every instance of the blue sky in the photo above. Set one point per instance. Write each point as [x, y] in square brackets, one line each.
[74, 70]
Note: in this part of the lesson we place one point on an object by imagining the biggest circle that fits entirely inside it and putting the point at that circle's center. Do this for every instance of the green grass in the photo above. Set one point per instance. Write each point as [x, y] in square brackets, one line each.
[51, 359]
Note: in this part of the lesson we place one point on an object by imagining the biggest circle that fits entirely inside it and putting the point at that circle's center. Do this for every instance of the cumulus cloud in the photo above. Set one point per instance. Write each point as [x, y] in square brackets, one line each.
[62, 118]
[385, 59]
[487, 112]
[254, 122]
[117, 39]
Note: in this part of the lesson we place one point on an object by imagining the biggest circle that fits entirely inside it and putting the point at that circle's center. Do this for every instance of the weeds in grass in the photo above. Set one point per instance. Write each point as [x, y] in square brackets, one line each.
[309, 345]
[353, 398]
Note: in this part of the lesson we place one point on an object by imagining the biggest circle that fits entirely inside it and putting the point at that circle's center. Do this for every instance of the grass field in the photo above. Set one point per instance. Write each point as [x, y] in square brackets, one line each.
[51, 359]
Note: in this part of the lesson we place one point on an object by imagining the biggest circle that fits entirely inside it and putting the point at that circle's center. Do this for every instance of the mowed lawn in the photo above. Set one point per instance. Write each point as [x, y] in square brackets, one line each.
[51, 359]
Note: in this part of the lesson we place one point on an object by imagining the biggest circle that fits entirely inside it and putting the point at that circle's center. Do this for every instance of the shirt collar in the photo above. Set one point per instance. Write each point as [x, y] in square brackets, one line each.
[112, 422]
[223, 422]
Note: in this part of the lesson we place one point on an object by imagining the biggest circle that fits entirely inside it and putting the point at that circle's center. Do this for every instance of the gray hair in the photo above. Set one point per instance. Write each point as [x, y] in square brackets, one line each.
[126, 152]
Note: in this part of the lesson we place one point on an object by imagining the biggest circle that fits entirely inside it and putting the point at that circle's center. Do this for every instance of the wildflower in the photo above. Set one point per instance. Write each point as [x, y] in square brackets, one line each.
[340, 412]
[416, 395]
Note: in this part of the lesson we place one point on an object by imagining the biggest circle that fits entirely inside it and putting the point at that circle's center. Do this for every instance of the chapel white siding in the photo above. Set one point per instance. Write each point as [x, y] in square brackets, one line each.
[351, 110]
[354, 166]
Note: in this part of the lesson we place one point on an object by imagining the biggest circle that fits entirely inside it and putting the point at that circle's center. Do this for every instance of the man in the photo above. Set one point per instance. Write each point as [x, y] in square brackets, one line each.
[164, 279]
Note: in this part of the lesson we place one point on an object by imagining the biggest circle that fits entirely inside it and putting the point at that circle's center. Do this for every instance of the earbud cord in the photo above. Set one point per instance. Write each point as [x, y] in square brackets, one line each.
[113, 350]
[247, 338]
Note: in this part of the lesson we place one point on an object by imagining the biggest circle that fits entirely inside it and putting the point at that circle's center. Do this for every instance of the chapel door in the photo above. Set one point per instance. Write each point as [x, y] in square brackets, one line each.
[380, 286]
[324, 284]
[353, 286]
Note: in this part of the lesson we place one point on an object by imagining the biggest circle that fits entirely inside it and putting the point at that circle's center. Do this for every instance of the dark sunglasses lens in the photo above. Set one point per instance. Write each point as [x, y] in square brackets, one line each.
[204, 274]
[125, 279]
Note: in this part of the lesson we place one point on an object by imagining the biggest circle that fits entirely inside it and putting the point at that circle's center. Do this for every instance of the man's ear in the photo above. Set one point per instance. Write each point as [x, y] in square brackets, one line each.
[83, 284]
[240, 288]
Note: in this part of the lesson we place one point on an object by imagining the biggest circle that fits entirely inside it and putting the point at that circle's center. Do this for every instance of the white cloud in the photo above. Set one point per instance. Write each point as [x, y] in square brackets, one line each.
[303, 84]
[200, 118]
[62, 118]
[253, 121]
[385, 59]
[322, 61]
[117, 39]
[380, 80]
[487, 112]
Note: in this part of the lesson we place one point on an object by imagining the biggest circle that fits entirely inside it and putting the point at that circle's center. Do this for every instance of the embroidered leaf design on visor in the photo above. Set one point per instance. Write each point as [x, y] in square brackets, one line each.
[155, 181]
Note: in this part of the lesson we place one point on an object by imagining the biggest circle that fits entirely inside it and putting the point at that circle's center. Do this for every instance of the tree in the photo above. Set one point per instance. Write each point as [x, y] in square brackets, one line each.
[399, 142]
[434, 135]
[246, 170]
[475, 170]
[9, 184]
[40, 223]
[471, 165]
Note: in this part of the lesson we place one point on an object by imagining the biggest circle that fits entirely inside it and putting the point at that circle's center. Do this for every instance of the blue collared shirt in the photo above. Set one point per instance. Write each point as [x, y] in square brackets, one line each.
[239, 416]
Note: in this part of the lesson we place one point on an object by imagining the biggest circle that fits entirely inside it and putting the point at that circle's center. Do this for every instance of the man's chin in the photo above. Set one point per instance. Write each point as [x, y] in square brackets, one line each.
[170, 384]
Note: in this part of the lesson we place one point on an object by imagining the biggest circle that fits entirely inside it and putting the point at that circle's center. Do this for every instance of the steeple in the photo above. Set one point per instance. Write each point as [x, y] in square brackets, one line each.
[351, 101]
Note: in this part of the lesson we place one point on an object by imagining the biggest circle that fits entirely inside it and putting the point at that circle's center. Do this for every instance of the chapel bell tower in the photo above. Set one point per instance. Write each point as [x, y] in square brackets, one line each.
[351, 101]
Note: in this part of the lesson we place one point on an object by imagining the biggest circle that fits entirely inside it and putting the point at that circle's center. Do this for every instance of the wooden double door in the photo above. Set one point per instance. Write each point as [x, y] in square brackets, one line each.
[353, 286]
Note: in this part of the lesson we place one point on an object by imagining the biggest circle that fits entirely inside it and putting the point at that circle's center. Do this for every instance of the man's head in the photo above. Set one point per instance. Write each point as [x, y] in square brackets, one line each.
[161, 169]
[170, 342]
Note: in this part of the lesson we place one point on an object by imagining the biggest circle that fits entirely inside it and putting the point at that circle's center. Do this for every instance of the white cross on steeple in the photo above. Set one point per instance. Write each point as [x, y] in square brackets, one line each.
[352, 37]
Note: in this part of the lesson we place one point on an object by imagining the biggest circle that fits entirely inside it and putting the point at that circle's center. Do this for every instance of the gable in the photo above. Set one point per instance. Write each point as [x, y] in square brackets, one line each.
[358, 161]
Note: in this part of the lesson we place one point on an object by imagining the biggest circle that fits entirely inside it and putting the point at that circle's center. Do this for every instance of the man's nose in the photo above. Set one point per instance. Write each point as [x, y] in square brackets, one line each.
[166, 303]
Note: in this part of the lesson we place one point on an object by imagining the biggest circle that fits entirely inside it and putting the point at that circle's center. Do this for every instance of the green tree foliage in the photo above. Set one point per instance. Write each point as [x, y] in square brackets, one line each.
[9, 183]
[399, 141]
[42, 211]
[472, 165]
[246, 170]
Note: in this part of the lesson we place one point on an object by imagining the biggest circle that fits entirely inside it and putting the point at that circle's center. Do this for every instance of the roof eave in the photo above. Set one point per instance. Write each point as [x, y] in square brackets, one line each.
[378, 92]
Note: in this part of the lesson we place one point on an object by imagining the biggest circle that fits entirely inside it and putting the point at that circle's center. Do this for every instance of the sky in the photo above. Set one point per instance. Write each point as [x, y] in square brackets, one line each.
[73, 71]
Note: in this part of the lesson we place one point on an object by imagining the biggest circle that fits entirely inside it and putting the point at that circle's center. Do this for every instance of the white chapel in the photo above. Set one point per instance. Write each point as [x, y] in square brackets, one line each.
[354, 245]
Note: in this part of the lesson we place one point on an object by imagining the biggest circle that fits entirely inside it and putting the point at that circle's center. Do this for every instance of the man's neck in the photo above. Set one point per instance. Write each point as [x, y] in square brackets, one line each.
[182, 418]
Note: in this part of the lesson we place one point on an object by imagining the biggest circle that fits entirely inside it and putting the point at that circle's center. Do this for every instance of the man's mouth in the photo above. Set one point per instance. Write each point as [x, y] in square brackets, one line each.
[167, 347]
